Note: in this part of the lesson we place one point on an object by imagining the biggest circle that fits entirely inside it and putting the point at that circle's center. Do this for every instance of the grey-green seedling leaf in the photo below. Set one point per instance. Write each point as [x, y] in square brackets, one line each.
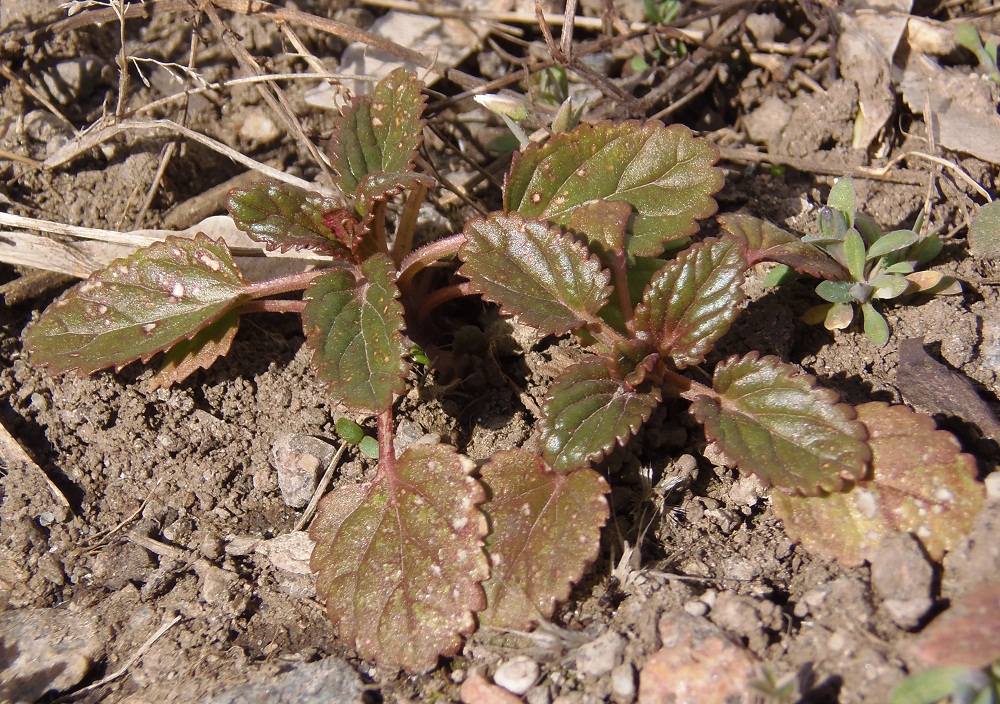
[137, 306]
[767, 242]
[930, 687]
[984, 232]
[380, 131]
[536, 271]
[354, 325]
[891, 242]
[854, 254]
[835, 291]
[876, 326]
[199, 352]
[694, 299]
[920, 483]
[545, 529]
[665, 173]
[842, 198]
[773, 421]
[399, 560]
[589, 410]
[889, 286]
[286, 217]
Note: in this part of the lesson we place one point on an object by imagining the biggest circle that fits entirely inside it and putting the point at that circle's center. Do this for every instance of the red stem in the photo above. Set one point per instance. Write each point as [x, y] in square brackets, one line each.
[426, 255]
[285, 284]
[272, 306]
[442, 295]
[386, 451]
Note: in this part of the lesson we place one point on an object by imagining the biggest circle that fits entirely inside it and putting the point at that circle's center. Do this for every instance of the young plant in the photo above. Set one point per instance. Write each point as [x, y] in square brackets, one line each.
[968, 36]
[873, 266]
[433, 545]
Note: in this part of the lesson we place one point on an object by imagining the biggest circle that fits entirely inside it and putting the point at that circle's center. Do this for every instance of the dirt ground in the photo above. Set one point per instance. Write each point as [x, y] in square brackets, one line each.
[174, 516]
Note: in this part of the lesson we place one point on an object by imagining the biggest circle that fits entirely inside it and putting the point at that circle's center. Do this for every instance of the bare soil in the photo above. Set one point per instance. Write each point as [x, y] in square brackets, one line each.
[172, 493]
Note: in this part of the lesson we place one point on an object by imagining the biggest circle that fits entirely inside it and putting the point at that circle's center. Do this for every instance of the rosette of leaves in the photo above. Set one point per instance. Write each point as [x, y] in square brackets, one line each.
[875, 266]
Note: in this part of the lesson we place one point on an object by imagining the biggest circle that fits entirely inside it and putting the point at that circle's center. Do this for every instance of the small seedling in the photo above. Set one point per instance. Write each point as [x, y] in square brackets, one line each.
[873, 266]
[955, 685]
[594, 240]
[968, 36]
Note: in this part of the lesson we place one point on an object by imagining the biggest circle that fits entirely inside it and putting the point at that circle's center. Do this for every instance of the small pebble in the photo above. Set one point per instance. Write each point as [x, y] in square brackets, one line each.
[598, 657]
[298, 460]
[476, 689]
[258, 128]
[623, 683]
[696, 607]
[992, 482]
[289, 552]
[517, 675]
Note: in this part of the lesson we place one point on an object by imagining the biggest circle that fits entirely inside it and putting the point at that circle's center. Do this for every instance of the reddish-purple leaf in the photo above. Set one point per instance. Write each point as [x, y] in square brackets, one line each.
[286, 217]
[765, 242]
[693, 300]
[589, 410]
[603, 225]
[665, 173]
[545, 529]
[379, 132]
[921, 482]
[381, 186]
[137, 306]
[772, 420]
[354, 325]
[200, 352]
[400, 559]
[541, 274]
[967, 634]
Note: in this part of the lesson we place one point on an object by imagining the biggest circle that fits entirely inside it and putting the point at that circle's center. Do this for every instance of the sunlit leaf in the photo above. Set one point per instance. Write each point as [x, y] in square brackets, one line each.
[381, 186]
[354, 325]
[286, 217]
[891, 242]
[768, 242]
[536, 271]
[835, 291]
[137, 306]
[876, 326]
[199, 352]
[603, 225]
[544, 530]
[920, 483]
[691, 303]
[842, 198]
[854, 254]
[400, 559]
[665, 173]
[588, 411]
[773, 421]
[379, 131]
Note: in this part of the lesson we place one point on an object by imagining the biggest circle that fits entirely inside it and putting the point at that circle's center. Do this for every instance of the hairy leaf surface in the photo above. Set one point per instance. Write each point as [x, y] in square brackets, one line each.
[137, 306]
[200, 352]
[286, 217]
[536, 271]
[545, 529]
[400, 559]
[921, 483]
[766, 242]
[381, 186]
[354, 327]
[693, 300]
[665, 173]
[773, 421]
[379, 131]
[587, 411]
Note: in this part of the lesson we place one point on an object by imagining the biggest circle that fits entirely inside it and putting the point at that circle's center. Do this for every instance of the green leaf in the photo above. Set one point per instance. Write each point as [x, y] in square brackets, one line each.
[839, 316]
[925, 249]
[871, 231]
[927, 687]
[587, 411]
[876, 327]
[767, 242]
[541, 274]
[137, 306]
[692, 302]
[349, 431]
[199, 352]
[842, 199]
[984, 232]
[889, 286]
[286, 217]
[773, 421]
[399, 560]
[920, 483]
[899, 268]
[780, 274]
[835, 291]
[854, 255]
[545, 529]
[354, 327]
[380, 131]
[665, 173]
[892, 242]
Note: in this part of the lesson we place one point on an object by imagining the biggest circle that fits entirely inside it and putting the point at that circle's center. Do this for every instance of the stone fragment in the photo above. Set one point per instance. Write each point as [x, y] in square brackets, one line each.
[992, 483]
[258, 128]
[601, 655]
[517, 675]
[902, 576]
[697, 664]
[45, 650]
[478, 690]
[289, 552]
[327, 680]
[623, 683]
[298, 460]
